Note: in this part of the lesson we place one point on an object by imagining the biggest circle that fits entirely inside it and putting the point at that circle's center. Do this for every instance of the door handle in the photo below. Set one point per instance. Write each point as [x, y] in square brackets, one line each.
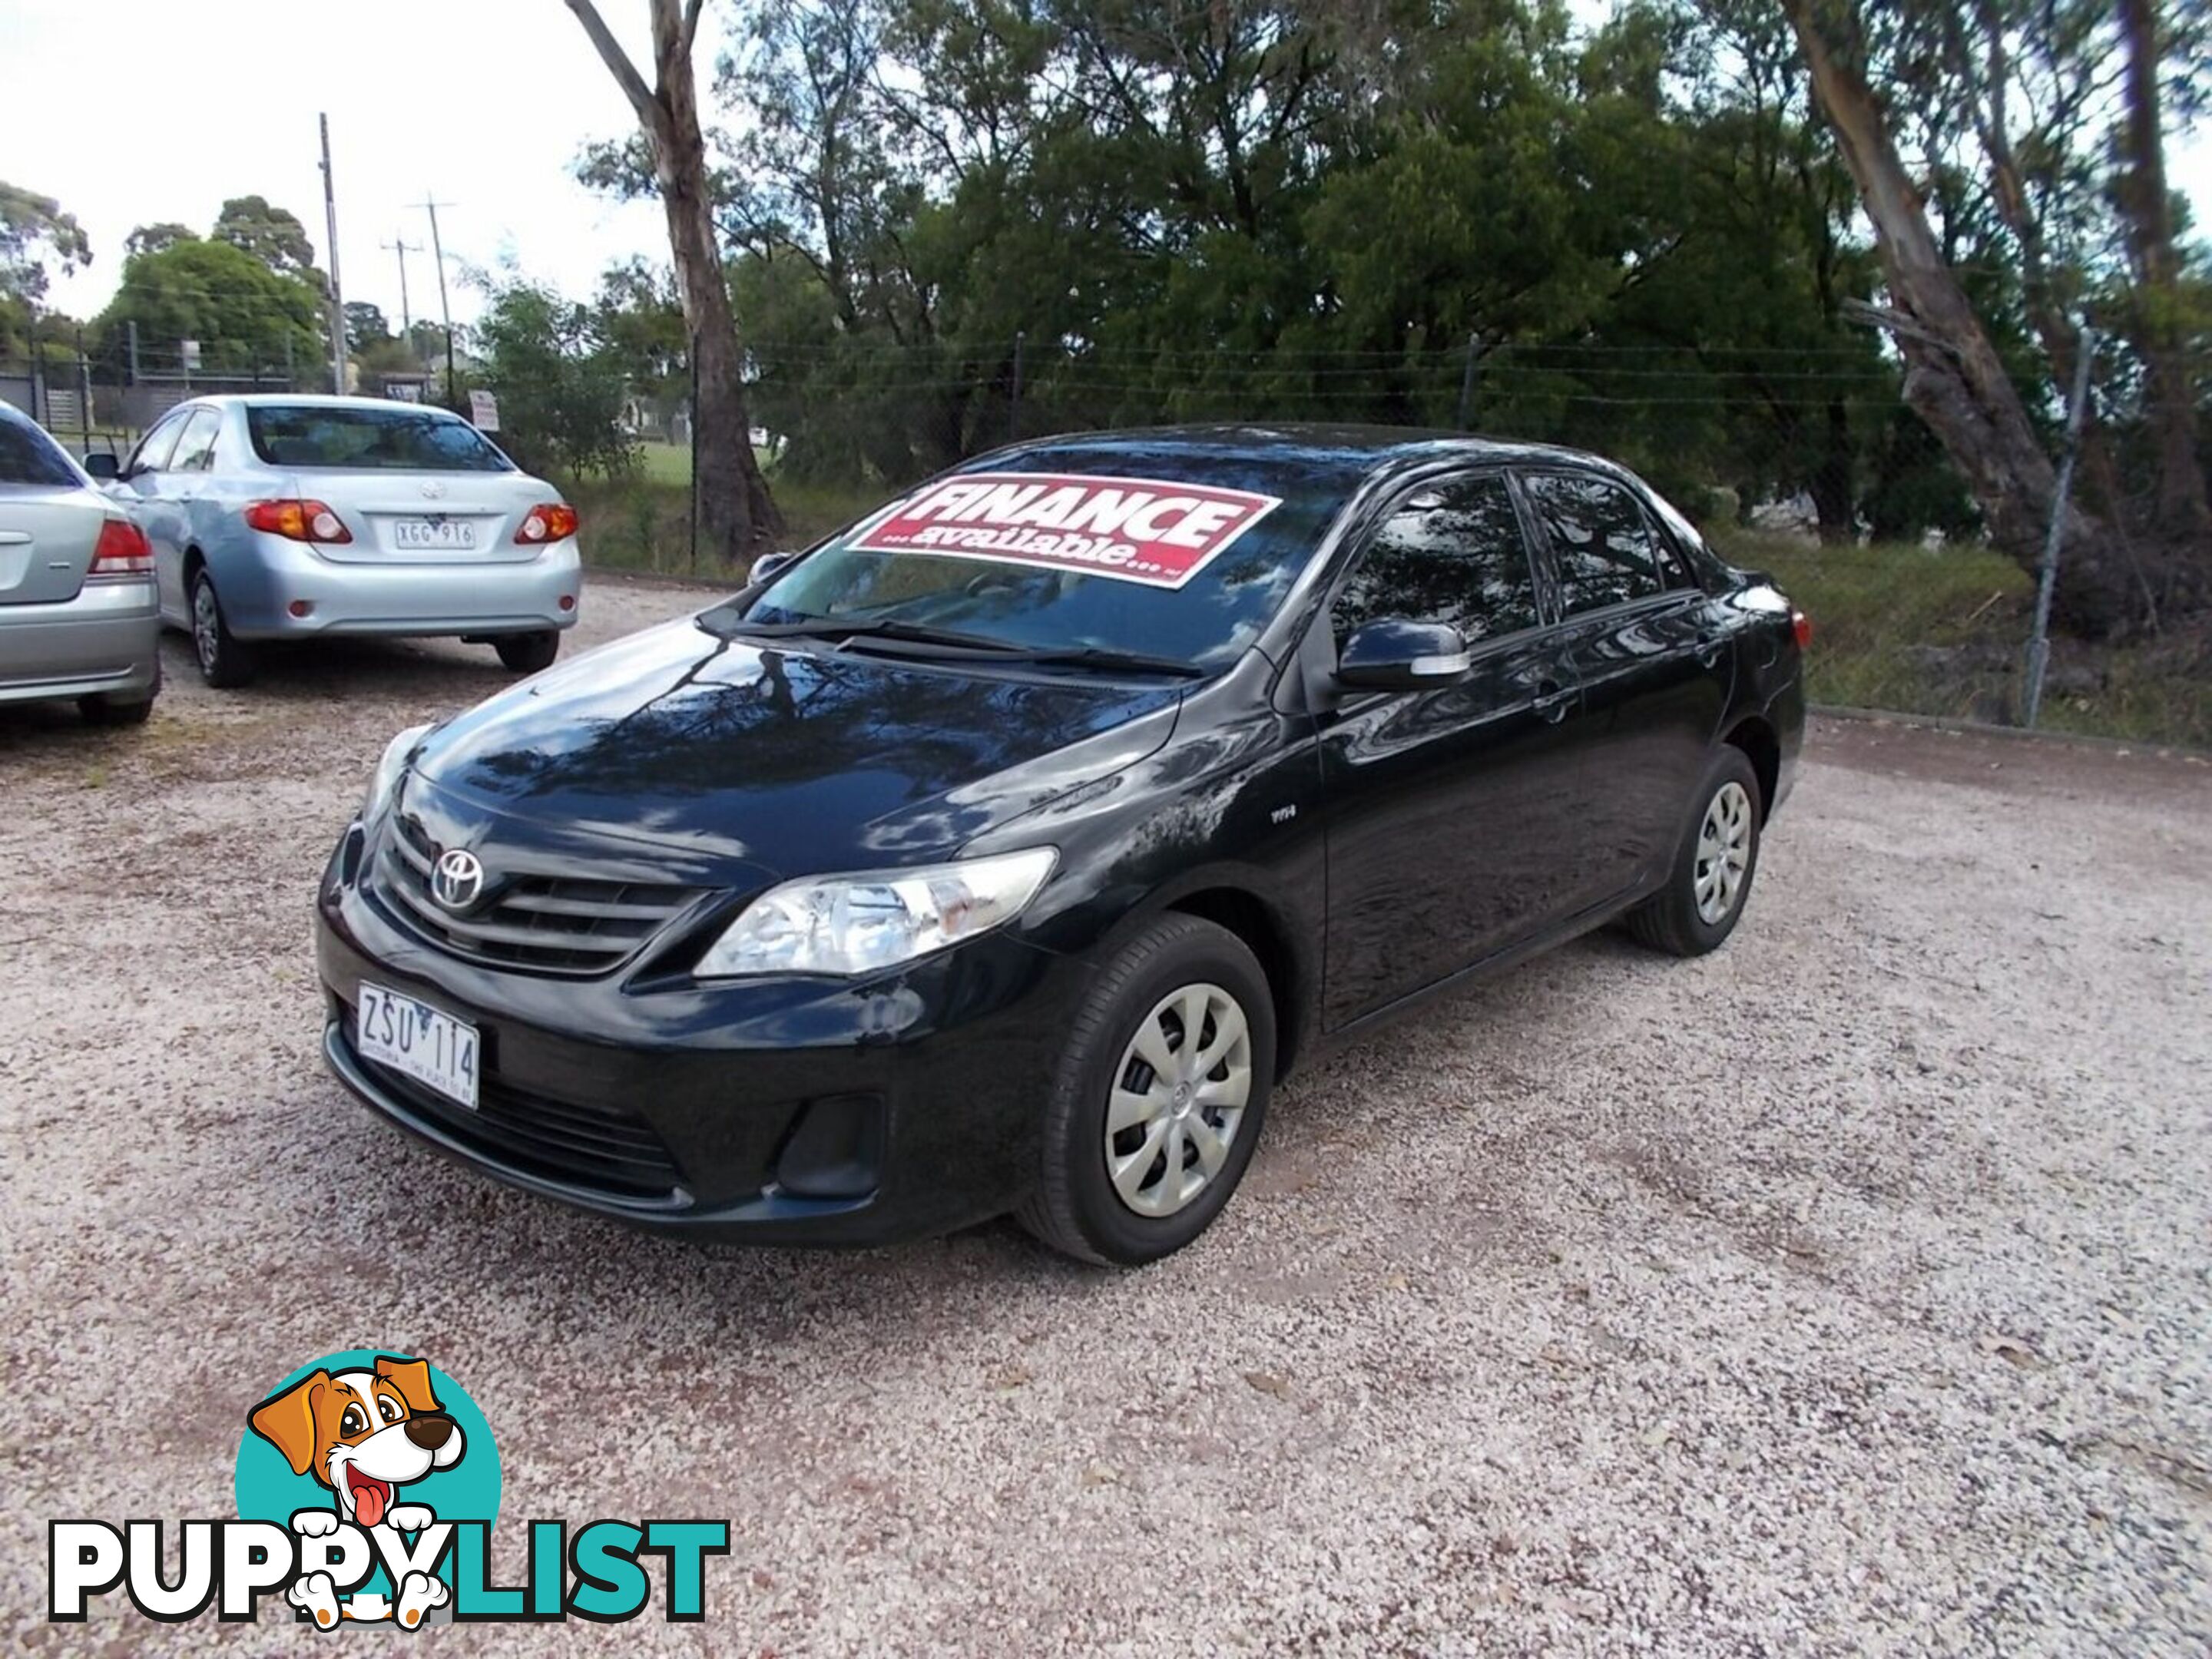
[1552, 700]
[1708, 648]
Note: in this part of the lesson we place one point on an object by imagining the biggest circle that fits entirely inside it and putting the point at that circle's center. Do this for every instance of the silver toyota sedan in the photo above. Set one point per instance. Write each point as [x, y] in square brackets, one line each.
[78, 615]
[285, 517]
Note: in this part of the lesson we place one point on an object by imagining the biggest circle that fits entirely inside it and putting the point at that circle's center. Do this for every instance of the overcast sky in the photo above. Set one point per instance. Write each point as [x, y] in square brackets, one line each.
[137, 112]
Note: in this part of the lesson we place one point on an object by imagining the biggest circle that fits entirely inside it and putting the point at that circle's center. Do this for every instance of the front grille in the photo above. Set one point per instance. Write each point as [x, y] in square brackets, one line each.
[607, 1148]
[546, 922]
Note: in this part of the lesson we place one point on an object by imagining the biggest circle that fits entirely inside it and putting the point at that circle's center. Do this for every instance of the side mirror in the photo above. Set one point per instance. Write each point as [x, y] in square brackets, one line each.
[767, 565]
[1392, 655]
[102, 466]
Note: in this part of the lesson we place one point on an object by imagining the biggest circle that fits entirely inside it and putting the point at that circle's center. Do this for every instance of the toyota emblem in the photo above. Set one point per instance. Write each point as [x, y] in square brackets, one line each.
[458, 882]
[432, 490]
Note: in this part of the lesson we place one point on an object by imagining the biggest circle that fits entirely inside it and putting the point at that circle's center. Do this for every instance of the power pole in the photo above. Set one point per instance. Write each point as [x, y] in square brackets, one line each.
[438, 253]
[403, 247]
[337, 296]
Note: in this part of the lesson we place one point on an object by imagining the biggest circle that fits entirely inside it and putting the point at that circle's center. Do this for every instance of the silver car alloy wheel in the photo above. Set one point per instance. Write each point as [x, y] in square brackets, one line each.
[1723, 854]
[207, 624]
[1178, 1098]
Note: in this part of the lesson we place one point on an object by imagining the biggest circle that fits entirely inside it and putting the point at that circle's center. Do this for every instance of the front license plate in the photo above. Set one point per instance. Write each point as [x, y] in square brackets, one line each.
[425, 1043]
[443, 534]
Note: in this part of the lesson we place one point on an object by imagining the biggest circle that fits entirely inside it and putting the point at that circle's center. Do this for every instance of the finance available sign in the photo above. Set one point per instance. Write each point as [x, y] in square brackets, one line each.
[1151, 531]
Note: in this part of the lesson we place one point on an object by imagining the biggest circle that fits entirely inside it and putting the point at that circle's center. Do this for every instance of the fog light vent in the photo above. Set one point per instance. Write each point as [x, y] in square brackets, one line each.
[836, 1150]
[349, 854]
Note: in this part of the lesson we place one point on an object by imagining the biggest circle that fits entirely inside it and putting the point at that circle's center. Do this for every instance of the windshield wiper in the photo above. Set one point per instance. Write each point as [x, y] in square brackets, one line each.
[993, 650]
[880, 627]
[1102, 658]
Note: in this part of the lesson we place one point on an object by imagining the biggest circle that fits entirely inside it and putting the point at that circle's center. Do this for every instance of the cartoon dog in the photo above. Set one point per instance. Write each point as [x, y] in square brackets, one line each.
[364, 1435]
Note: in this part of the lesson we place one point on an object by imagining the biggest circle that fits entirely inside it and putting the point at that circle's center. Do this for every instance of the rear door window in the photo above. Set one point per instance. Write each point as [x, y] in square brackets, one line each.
[1604, 549]
[27, 456]
[196, 446]
[1451, 552]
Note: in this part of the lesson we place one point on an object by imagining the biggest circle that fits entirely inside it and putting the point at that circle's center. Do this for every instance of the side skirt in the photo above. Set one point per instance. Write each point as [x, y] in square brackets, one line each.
[1498, 962]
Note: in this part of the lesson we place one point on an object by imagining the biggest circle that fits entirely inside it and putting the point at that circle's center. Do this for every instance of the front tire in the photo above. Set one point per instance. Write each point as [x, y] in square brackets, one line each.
[225, 661]
[1710, 878]
[1160, 1097]
[528, 654]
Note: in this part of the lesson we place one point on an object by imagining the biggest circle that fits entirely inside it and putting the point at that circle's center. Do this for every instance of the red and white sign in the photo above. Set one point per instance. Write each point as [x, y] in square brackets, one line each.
[1133, 530]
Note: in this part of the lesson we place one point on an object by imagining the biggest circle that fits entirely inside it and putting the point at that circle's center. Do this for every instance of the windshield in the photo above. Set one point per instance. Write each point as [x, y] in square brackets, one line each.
[1145, 547]
[397, 440]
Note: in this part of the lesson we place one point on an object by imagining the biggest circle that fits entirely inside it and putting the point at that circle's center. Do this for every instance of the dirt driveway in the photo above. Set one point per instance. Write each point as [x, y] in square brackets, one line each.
[1851, 1289]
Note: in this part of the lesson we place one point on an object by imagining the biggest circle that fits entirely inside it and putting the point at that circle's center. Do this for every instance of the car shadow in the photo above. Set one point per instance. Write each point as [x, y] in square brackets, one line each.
[426, 674]
[312, 671]
[465, 1229]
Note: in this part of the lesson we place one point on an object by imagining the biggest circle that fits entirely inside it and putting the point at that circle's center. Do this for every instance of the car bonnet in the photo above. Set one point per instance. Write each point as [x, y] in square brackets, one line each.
[795, 759]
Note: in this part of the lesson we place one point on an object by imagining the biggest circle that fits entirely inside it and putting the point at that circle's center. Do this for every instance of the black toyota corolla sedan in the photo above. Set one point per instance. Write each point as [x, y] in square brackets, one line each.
[1005, 851]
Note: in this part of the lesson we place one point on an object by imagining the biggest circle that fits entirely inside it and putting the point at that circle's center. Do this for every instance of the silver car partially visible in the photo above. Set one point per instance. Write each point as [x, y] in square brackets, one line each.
[278, 516]
[79, 619]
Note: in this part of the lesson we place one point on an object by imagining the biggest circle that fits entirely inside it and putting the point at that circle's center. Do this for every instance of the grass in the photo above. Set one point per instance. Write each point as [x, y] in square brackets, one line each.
[667, 463]
[644, 523]
[1944, 631]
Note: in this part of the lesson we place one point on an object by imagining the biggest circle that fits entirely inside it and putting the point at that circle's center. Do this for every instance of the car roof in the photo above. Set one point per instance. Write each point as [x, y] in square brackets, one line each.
[1352, 448]
[311, 400]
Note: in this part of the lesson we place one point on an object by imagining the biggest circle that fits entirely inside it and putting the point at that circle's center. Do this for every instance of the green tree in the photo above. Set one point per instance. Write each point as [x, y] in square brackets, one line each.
[561, 389]
[273, 235]
[1649, 230]
[365, 324]
[34, 235]
[640, 318]
[245, 316]
[2040, 130]
[152, 239]
[35, 232]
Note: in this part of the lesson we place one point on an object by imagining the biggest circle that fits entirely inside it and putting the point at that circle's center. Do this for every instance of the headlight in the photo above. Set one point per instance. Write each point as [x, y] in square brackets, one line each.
[860, 924]
[386, 776]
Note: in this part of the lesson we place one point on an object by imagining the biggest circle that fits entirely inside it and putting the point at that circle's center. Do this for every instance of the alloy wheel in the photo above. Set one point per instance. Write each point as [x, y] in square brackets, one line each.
[207, 625]
[1723, 854]
[1178, 1098]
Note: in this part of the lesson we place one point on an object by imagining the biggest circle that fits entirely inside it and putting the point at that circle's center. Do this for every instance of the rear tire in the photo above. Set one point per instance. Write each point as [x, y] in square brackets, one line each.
[1127, 1195]
[528, 654]
[1710, 881]
[225, 661]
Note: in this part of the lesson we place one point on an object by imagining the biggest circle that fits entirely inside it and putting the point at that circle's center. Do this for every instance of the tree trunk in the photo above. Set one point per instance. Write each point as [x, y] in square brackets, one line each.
[1954, 378]
[2009, 193]
[738, 518]
[2183, 514]
[1833, 498]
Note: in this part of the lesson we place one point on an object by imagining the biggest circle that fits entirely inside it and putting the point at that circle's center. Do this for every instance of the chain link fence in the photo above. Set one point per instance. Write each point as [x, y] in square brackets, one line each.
[1803, 462]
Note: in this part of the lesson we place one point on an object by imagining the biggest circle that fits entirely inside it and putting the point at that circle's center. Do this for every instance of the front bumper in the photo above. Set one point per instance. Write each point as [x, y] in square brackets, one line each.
[798, 1111]
[104, 642]
[413, 599]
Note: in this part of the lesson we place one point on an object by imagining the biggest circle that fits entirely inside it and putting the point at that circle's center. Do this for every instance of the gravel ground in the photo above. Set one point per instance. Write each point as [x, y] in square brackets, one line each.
[1846, 1292]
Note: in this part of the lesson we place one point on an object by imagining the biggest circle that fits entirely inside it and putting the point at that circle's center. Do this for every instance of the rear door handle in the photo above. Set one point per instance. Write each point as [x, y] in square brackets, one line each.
[1709, 646]
[1552, 700]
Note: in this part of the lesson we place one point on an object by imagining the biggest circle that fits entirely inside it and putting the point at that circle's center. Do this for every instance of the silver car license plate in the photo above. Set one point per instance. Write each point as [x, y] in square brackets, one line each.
[440, 535]
[426, 1043]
